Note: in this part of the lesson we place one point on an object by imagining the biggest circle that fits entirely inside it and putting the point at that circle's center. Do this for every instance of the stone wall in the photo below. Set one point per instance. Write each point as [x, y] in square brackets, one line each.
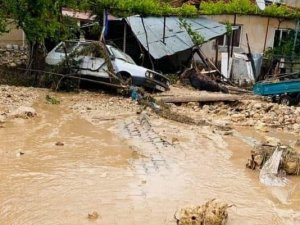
[12, 56]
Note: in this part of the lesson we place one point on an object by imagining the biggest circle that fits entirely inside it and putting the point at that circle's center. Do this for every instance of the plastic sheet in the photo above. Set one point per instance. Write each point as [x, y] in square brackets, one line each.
[269, 173]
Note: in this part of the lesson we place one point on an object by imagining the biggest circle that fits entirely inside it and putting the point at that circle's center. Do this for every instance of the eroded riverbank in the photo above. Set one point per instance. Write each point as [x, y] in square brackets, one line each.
[129, 168]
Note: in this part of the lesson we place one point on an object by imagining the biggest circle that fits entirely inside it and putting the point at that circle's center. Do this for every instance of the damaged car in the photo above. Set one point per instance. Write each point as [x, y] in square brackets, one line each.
[96, 67]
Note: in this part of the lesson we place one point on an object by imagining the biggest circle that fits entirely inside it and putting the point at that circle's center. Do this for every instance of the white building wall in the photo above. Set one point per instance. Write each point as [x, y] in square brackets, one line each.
[255, 27]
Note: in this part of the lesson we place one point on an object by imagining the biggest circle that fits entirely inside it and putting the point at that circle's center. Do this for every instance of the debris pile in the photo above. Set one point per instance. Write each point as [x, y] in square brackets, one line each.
[270, 174]
[201, 81]
[24, 112]
[102, 107]
[13, 57]
[211, 213]
[260, 115]
[289, 163]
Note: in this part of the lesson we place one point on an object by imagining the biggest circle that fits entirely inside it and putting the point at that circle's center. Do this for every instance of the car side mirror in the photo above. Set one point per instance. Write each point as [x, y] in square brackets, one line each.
[112, 57]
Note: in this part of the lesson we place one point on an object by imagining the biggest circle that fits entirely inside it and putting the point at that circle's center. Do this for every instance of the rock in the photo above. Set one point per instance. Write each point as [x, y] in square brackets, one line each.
[93, 216]
[290, 167]
[175, 140]
[206, 108]
[2, 119]
[257, 106]
[211, 213]
[272, 141]
[59, 143]
[24, 112]
[261, 127]
[12, 64]
[20, 154]
[237, 117]
[226, 133]
[296, 127]
[259, 159]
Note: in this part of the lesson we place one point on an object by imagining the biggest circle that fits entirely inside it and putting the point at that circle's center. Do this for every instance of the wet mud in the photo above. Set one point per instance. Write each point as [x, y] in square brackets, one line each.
[135, 169]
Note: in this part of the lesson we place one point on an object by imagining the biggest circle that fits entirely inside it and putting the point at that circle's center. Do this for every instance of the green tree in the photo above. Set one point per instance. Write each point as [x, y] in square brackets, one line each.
[40, 20]
[2, 23]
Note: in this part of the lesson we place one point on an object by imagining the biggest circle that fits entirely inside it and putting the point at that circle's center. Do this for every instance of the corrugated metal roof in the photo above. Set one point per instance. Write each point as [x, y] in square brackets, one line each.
[176, 38]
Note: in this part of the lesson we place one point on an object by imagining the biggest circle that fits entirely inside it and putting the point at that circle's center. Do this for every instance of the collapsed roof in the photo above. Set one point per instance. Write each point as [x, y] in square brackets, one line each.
[172, 38]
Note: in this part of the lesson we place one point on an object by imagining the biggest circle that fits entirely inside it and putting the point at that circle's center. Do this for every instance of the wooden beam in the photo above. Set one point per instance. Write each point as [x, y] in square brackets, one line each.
[204, 98]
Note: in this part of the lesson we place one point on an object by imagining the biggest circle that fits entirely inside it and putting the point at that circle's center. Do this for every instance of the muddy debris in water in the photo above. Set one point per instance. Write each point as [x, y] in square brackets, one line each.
[59, 143]
[20, 153]
[93, 216]
[52, 100]
[175, 140]
[211, 213]
[24, 112]
[290, 161]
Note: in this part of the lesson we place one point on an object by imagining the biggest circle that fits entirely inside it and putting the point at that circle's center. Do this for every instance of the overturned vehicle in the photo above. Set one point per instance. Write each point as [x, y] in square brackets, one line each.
[96, 61]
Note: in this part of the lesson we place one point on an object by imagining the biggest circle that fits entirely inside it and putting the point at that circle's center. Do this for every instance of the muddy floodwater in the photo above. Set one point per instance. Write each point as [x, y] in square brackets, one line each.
[59, 166]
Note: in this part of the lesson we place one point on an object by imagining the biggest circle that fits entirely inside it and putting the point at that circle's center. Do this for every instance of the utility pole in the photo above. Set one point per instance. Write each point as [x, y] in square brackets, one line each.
[296, 35]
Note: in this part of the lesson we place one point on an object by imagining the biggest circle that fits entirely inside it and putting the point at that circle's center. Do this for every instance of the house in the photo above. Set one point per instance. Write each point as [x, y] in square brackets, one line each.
[255, 34]
[160, 43]
[263, 33]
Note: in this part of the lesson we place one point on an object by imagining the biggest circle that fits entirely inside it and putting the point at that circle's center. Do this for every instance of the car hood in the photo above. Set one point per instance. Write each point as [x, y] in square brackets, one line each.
[135, 70]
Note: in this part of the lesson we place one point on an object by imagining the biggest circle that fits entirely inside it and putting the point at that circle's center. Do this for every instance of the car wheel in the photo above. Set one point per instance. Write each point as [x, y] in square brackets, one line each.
[126, 79]
[286, 100]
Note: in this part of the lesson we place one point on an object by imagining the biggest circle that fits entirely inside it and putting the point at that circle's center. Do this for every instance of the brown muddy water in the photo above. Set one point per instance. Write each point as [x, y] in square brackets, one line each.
[122, 170]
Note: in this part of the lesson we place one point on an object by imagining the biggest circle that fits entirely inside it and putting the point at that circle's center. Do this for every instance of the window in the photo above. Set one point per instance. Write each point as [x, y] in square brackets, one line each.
[67, 46]
[281, 35]
[236, 34]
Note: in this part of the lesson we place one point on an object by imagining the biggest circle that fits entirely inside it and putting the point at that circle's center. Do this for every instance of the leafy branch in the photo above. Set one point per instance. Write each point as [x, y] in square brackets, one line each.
[197, 38]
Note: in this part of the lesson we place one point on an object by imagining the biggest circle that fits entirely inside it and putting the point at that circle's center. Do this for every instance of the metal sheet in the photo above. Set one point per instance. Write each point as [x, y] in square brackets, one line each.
[176, 37]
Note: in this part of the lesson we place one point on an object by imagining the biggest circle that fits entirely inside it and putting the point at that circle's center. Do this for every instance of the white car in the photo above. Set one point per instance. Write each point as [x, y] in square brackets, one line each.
[95, 67]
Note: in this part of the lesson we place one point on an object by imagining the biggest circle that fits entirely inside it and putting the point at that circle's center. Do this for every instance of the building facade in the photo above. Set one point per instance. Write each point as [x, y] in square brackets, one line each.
[262, 32]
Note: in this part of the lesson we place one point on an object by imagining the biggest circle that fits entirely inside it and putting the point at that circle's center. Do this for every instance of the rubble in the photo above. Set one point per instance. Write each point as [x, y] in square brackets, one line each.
[93, 216]
[103, 107]
[211, 213]
[263, 116]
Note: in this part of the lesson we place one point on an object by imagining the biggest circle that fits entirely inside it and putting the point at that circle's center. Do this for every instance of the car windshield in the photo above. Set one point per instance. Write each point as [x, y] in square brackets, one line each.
[67, 46]
[121, 55]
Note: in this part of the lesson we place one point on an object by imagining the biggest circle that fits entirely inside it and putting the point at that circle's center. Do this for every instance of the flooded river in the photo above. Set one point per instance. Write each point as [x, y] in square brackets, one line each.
[122, 170]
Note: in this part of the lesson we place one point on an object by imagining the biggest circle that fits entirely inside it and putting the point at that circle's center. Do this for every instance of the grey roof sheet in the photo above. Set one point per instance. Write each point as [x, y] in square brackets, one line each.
[176, 38]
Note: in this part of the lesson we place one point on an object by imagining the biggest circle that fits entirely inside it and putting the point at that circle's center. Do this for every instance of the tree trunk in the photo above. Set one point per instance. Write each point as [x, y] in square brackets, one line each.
[37, 59]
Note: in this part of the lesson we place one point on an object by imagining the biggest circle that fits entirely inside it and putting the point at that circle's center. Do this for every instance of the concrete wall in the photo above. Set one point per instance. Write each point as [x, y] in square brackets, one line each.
[294, 3]
[14, 36]
[255, 27]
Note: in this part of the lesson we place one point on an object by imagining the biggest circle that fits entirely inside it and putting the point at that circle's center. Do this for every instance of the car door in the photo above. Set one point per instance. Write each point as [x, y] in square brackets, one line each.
[92, 65]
